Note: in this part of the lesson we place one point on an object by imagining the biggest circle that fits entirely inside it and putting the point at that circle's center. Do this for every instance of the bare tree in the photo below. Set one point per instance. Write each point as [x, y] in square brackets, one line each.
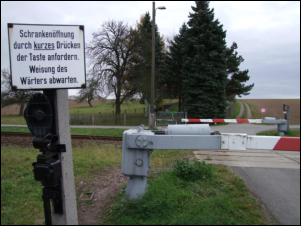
[95, 89]
[10, 96]
[109, 52]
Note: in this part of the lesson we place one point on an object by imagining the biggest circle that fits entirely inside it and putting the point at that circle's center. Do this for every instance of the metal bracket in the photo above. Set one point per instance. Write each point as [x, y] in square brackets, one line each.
[60, 147]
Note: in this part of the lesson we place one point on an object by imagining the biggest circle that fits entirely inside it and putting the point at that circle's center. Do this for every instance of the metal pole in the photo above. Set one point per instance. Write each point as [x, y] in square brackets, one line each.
[47, 207]
[151, 121]
[288, 117]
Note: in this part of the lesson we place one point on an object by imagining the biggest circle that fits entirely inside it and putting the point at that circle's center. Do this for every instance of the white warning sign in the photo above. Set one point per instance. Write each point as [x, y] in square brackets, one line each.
[47, 56]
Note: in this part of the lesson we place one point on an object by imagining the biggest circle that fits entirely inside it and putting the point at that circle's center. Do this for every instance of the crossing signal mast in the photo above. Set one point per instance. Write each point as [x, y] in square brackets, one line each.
[48, 168]
[47, 113]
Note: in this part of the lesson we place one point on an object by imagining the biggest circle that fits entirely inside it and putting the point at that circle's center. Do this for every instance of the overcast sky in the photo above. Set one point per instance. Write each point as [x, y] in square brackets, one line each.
[267, 33]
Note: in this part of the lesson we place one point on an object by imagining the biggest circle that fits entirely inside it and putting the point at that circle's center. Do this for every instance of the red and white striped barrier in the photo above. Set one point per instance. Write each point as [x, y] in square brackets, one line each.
[274, 143]
[224, 120]
[235, 141]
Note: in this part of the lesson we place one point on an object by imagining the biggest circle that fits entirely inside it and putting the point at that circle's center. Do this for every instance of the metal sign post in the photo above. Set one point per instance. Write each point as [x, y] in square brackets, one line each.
[262, 110]
[61, 115]
[50, 58]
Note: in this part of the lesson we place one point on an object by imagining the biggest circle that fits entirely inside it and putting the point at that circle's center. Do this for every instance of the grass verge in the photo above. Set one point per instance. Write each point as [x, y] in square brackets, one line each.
[170, 200]
[236, 111]
[13, 119]
[290, 133]
[108, 108]
[223, 199]
[75, 131]
[21, 200]
[244, 114]
[255, 113]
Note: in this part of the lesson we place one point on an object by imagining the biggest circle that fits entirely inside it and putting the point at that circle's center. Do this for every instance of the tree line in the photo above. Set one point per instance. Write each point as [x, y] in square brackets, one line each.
[195, 66]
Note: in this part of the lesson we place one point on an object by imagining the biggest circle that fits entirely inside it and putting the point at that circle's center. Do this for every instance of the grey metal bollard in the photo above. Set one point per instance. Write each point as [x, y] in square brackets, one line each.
[137, 146]
[281, 124]
[136, 163]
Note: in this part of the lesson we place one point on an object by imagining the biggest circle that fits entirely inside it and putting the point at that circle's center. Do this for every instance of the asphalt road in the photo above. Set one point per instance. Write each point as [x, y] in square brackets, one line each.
[278, 190]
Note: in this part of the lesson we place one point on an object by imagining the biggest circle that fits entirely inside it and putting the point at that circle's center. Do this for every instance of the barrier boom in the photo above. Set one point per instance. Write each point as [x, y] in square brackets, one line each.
[138, 144]
[224, 120]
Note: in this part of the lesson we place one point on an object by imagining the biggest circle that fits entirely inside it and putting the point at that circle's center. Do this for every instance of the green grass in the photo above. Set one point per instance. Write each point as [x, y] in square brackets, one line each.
[236, 111]
[13, 119]
[170, 200]
[290, 133]
[224, 199]
[254, 111]
[75, 131]
[21, 200]
[170, 101]
[15, 129]
[244, 114]
[108, 108]
[98, 132]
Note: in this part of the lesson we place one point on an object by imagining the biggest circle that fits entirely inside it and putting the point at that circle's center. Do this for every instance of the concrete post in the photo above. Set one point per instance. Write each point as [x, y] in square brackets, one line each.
[99, 118]
[61, 118]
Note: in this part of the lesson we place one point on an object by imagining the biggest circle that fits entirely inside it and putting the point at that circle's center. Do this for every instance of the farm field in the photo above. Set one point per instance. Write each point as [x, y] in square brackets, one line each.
[84, 107]
[274, 108]
[14, 109]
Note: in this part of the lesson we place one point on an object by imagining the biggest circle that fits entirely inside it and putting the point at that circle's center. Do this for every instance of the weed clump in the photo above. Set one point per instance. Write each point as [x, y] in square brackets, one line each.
[192, 172]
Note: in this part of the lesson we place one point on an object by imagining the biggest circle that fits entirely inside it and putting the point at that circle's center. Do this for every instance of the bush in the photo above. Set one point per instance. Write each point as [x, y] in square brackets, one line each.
[192, 172]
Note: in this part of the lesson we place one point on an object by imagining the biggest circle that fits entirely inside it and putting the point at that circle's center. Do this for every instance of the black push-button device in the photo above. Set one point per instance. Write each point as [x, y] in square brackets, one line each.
[48, 169]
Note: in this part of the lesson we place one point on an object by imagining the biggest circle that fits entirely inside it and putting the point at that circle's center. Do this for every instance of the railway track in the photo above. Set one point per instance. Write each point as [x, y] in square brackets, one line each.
[73, 137]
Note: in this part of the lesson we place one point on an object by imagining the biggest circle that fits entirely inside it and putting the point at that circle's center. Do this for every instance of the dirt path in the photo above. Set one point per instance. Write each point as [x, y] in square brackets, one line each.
[242, 108]
[249, 114]
[105, 187]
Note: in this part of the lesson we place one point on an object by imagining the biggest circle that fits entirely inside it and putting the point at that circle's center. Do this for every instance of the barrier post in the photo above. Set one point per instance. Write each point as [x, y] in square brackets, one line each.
[288, 117]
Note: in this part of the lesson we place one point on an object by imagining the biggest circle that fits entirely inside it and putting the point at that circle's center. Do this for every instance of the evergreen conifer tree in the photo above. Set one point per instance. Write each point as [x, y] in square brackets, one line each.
[204, 66]
[235, 84]
[173, 77]
[139, 69]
